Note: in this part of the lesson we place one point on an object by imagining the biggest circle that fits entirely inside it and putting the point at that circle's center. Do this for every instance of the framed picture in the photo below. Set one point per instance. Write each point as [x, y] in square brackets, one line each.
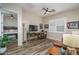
[41, 26]
[73, 25]
[46, 26]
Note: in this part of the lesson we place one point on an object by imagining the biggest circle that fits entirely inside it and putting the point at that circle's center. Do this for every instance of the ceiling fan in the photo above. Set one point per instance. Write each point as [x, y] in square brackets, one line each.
[47, 10]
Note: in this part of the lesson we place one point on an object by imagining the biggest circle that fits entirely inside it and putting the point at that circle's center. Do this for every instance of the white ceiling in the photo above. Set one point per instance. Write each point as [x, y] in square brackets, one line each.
[37, 7]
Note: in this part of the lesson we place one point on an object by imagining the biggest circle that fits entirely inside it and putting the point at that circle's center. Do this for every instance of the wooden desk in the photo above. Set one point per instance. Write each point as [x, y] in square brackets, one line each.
[37, 35]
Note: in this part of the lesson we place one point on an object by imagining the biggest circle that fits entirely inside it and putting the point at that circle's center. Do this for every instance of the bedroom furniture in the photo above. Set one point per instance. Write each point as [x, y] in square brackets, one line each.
[70, 44]
[57, 49]
[61, 50]
[31, 35]
[42, 35]
[71, 51]
[36, 35]
[54, 51]
[71, 40]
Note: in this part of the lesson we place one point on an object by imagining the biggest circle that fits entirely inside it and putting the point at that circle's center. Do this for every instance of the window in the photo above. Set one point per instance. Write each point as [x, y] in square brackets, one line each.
[60, 28]
[52, 26]
[57, 25]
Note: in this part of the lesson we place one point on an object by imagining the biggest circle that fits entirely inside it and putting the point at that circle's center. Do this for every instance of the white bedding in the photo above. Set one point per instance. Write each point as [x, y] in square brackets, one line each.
[71, 40]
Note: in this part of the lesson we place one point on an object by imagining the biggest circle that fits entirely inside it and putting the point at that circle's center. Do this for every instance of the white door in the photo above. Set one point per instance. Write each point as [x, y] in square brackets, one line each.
[1, 24]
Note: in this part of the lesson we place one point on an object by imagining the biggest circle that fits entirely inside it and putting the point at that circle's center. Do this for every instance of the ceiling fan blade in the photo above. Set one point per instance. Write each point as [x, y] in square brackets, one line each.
[44, 9]
[45, 13]
[53, 10]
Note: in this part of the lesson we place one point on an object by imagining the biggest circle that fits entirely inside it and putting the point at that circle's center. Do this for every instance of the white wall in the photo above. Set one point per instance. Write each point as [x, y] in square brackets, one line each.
[18, 10]
[30, 18]
[69, 15]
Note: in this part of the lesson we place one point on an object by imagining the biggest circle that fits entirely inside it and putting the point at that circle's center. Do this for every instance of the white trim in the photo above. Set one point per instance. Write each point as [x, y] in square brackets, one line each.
[0, 23]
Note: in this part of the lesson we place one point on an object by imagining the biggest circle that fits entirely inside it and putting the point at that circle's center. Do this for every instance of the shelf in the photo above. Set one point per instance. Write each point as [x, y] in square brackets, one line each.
[9, 27]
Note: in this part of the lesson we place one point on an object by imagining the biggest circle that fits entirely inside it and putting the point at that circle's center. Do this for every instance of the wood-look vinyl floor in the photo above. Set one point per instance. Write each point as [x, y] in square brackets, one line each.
[33, 47]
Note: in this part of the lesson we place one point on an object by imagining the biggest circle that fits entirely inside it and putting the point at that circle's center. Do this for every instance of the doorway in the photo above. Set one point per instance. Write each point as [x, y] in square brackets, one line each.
[10, 27]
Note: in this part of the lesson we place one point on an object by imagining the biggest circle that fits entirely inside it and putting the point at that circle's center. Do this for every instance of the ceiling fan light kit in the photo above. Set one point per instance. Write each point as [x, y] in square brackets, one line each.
[47, 10]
